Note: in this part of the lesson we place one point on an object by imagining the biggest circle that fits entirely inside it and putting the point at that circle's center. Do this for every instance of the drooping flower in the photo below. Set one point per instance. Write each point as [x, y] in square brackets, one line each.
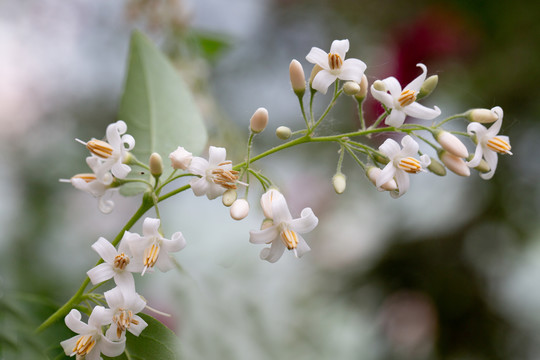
[90, 342]
[124, 306]
[180, 158]
[284, 233]
[334, 66]
[118, 264]
[216, 174]
[489, 143]
[403, 102]
[112, 152]
[152, 249]
[402, 163]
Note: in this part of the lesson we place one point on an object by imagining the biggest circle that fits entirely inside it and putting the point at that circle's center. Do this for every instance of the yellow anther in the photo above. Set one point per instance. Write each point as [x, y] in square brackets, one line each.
[290, 239]
[225, 178]
[151, 255]
[499, 145]
[334, 61]
[84, 345]
[86, 177]
[100, 148]
[407, 97]
[410, 165]
[123, 320]
[121, 261]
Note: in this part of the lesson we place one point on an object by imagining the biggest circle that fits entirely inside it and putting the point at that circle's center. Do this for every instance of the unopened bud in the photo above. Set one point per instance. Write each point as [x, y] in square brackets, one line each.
[351, 88]
[381, 159]
[379, 85]
[180, 158]
[483, 116]
[229, 197]
[483, 167]
[451, 143]
[436, 167]
[454, 163]
[374, 172]
[314, 72]
[427, 87]
[239, 209]
[267, 223]
[298, 79]
[283, 132]
[361, 95]
[340, 183]
[259, 120]
[156, 164]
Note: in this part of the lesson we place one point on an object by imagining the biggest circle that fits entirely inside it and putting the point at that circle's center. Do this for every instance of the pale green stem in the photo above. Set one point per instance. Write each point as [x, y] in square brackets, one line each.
[330, 106]
[457, 116]
[380, 119]
[248, 154]
[300, 100]
[353, 155]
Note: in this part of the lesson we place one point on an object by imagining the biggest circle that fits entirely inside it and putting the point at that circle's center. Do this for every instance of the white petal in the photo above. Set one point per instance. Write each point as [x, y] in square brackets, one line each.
[396, 118]
[69, 344]
[151, 227]
[214, 190]
[105, 249]
[421, 112]
[274, 252]
[164, 262]
[340, 47]
[383, 97]
[114, 298]
[176, 243]
[302, 247]
[477, 129]
[496, 127]
[352, 69]
[477, 158]
[305, 223]
[417, 83]
[280, 210]
[99, 316]
[410, 146]
[120, 170]
[111, 348]
[216, 155]
[100, 273]
[74, 323]
[491, 158]
[113, 133]
[266, 202]
[402, 180]
[387, 174]
[263, 236]
[323, 80]
[105, 203]
[129, 141]
[136, 329]
[392, 85]
[319, 57]
[112, 333]
[390, 148]
[199, 186]
[198, 166]
[425, 161]
[124, 280]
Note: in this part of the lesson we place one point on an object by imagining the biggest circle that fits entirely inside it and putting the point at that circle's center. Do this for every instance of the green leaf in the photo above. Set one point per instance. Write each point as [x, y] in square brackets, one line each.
[155, 342]
[157, 105]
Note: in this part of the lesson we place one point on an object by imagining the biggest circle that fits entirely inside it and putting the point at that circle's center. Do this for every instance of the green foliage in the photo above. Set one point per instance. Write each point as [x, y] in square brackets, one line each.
[157, 106]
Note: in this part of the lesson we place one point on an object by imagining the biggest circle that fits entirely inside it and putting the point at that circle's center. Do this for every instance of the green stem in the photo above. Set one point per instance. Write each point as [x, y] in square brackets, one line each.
[380, 119]
[330, 106]
[457, 116]
[360, 114]
[248, 154]
[300, 100]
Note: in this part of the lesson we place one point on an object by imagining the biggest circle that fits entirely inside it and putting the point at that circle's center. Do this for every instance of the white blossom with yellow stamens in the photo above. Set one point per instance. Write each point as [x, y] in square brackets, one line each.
[124, 306]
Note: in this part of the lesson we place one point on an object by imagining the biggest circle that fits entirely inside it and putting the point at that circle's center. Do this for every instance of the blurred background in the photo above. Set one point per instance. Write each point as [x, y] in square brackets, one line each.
[448, 271]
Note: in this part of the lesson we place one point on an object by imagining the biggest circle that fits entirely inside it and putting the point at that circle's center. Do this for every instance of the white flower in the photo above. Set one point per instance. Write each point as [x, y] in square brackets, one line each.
[180, 158]
[118, 264]
[284, 233]
[266, 202]
[112, 152]
[334, 66]
[90, 342]
[152, 249]
[403, 103]
[402, 163]
[124, 306]
[489, 143]
[216, 174]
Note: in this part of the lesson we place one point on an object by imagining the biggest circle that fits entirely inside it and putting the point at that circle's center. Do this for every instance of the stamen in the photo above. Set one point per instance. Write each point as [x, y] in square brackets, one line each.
[225, 178]
[407, 97]
[84, 345]
[86, 177]
[334, 61]
[123, 321]
[121, 261]
[499, 145]
[100, 148]
[290, 239]
[410, 165]
[150, 256]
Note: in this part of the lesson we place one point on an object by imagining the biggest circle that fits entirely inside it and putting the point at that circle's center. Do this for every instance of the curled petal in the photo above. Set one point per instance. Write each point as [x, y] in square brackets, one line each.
[393, 86]
[105, 203]
[216, 155]
[383, 97]
[129, 141]
[323, 80]
[340, 47]
[137, 328]
[274, 252]
[387, 174]
[477, 129]
[318, 56]
[112, 348]
[390, 148]
[176, 243]
[113, 133]
[151, 227]
[477, 158]
[421, 112]
[417, 83]
[100, 273]
[352, 69]
[263, 236]
[402, 180]
[99, 316]
[491, 158]
[396, 118]
[74, 323]
[496, 127]
[305, 223]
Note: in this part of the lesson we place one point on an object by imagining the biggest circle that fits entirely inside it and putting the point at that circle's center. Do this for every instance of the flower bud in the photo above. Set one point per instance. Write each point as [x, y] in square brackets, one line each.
[283, 132]
[361, 95]
[436, 167]
[483, 167]
[451, 143]
[229, 197]
[259, 120]
[351, 88]
[381, 159]
[379, 85]
[314, 72]
[180, 158]
[340, 183]
[374, 172]
[298, 79]
[454, 163]
[428, 86]
[156, 164]
[267, 223]
[483, 116]
[239, 209]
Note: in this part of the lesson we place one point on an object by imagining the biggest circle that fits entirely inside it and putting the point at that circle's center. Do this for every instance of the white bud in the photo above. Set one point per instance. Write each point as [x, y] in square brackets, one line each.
[283, 132]
[351, 88]
[229, 197]
[340, 183]
[314, 72]
[483, 116]
[267, 223]
[451, 143]
[156, 164]
[374, 172]
[361, 95]
[298, 79]
[259, 120]
[379, 85]
[180, 158]
[455, 163]
[239, 209]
